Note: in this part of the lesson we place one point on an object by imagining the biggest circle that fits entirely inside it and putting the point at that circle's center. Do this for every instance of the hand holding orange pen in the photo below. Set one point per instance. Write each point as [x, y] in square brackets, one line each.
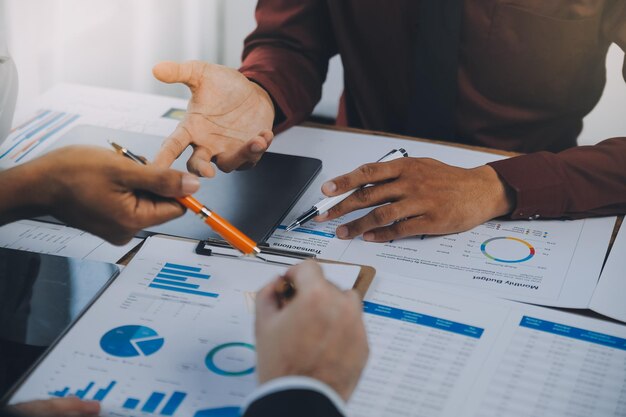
[221, 226]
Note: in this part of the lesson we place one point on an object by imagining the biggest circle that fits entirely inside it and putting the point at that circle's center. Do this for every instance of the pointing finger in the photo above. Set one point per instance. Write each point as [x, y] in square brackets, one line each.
[173, 147]
[365, 174]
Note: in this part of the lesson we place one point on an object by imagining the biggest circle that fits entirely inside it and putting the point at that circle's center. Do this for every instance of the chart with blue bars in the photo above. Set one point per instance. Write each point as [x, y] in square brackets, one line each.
[154, 401]
[32, 134]
[157, 402]
[99, 394]
[219, 412]
[182, 279]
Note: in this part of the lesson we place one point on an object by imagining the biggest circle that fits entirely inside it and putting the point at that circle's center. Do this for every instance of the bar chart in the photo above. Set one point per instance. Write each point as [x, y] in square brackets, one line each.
[40, 129]
[181, 279]
[219, 412]
[83, 393]
[154, 401]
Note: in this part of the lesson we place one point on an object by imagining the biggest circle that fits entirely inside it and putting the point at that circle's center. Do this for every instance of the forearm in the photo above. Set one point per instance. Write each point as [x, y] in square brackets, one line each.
[287, 54]
[580, 182]
[21, 194]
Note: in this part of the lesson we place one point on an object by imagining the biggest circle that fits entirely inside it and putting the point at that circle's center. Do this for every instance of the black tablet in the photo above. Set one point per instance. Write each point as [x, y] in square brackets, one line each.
[40, 296]
[255, 200]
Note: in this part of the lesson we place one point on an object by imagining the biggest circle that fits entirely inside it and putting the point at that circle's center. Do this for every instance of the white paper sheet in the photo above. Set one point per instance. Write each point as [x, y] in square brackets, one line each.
[439, 354]
[610, 295]
[55, 239]
[65, 106]
[193, 339]
[544, 262]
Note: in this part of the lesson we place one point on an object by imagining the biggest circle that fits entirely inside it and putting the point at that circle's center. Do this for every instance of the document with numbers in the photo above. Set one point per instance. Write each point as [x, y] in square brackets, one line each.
[437, 354]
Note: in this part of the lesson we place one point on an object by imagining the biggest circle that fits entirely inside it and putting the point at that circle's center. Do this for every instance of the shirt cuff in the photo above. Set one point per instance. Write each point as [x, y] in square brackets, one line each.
[281, 118]
[295, 382]
[537, 183]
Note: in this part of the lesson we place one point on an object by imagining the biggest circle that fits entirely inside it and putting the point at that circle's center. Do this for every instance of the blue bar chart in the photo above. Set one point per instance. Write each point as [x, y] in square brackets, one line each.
[181, 279]
[154, 401]
[83, 393]
[27, 137]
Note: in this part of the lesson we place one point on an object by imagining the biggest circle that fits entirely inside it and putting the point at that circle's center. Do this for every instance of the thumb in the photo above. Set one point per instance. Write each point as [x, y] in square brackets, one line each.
[188, 73]
[161, 181]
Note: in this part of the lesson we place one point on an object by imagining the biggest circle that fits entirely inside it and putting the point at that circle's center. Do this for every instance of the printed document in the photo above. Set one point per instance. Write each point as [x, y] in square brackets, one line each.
[610, 296]
[60, 240]
[173, 334]
[444, 354]
[150, 346]
[543, 262]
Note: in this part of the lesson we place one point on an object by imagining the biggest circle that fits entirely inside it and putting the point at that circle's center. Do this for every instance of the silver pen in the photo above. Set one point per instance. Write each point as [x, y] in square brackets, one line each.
[330, 202]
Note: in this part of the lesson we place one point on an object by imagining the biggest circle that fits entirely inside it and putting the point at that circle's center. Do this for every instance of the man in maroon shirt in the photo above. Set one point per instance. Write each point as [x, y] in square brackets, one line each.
[524, 74]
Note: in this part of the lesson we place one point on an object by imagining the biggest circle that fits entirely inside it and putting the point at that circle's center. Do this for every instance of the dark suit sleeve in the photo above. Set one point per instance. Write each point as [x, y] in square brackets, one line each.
[288, 54]
[290, 403]
[580, 182]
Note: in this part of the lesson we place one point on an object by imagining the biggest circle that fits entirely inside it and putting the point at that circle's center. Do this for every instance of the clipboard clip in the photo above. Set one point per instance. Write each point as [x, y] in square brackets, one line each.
[208, 248]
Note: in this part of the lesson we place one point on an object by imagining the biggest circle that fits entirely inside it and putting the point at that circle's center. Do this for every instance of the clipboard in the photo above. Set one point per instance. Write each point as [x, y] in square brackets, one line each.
[216, 247]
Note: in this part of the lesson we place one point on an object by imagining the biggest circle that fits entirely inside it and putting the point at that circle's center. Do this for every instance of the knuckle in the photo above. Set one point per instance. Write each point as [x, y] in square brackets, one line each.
[367, 170]
[363, 195]
[343, 183]
[385, 214]
[166, 182]
[401, 229]
[315, 294]
[191, 166]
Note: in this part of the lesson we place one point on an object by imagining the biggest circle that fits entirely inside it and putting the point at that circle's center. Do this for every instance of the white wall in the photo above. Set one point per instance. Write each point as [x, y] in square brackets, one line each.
[109, 43]
[608, 119]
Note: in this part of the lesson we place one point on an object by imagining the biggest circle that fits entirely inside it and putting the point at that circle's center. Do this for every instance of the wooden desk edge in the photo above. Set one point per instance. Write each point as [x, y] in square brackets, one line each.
[395, 136]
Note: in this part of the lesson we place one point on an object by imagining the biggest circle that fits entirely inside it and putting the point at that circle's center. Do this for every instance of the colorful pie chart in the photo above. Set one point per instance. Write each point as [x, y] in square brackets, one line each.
[507, 249]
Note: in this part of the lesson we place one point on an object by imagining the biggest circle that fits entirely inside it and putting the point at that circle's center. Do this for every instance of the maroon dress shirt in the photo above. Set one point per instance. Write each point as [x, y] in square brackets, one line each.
[529, 71]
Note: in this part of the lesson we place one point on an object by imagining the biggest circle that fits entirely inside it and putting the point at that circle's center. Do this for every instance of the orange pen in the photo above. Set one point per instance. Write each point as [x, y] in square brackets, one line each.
[235, 237]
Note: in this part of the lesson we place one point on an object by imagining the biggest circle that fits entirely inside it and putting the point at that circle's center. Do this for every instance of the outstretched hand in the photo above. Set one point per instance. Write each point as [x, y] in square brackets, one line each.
[229, 118]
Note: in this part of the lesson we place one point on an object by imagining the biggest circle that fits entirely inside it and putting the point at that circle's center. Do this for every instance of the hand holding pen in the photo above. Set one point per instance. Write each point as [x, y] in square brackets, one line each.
[221, 226]
[330, 202]
[309, 334]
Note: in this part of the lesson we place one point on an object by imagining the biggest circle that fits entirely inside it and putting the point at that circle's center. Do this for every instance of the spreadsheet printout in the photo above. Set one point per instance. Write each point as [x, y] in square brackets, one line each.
[439, 353]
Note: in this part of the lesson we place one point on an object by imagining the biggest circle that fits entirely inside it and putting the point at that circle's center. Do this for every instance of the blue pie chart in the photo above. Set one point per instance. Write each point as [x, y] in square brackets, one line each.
[131, 341]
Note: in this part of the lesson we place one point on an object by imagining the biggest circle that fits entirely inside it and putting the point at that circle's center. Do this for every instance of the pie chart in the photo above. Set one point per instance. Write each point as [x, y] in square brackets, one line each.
[130, 341]
[232, 359]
